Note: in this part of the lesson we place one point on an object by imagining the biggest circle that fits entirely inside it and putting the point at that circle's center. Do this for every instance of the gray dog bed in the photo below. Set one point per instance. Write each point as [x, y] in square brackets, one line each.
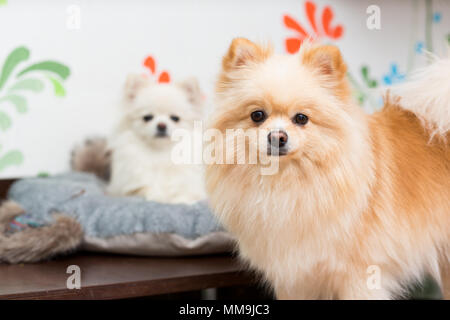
[128, 225]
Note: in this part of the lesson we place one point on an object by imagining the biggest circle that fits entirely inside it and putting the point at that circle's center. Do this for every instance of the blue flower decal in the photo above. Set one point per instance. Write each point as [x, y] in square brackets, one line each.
[393, 76]
[437, 17]
[419, 47]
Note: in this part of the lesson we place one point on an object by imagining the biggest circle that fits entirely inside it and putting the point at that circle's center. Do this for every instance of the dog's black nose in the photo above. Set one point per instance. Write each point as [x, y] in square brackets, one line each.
[278, 138]
[161, 127]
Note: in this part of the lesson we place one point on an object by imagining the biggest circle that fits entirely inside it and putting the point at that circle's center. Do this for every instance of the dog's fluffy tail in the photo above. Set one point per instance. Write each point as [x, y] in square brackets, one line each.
[92, 157]
[427, 94]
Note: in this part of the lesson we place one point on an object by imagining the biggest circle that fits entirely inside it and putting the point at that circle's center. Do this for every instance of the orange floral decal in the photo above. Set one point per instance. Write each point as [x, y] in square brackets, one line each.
[150, 64]
[293, 43]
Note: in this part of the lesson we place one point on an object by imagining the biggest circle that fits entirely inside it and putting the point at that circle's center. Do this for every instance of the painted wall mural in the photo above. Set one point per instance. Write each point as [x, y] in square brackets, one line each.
[293, 43]
[364, 83]
[103, 41]
[150, 63]
[16, 81]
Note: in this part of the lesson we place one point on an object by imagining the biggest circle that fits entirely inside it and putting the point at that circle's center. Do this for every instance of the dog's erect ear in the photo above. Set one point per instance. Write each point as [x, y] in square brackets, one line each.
[133, 84]
[243, 52]
[193, 91]
[327, 60]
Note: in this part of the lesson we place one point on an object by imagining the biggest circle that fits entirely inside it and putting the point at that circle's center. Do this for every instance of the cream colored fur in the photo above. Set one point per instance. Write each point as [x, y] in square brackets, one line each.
[62, 236]
[141, 161]
[427, 94]
[354, 193]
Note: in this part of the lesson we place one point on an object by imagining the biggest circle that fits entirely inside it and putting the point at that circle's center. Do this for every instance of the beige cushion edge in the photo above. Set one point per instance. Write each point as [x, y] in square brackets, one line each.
[161, 244]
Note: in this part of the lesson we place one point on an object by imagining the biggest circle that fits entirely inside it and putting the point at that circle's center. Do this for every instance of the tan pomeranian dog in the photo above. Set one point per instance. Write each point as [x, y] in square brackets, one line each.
[360, 204]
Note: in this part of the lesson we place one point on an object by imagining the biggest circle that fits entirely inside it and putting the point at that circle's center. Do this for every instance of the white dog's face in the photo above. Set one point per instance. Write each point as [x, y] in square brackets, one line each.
[154, 111]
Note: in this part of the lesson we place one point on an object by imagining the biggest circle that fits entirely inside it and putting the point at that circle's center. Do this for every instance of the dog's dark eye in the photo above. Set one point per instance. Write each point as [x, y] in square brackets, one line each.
[301, 119]
[175, 118]
[258, 116]
[147, 117]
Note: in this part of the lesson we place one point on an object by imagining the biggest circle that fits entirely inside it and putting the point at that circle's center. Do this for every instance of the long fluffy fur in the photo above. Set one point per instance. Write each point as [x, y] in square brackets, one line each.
[65, 234]
[427, 94]
[141, 162]
[93, 156]
[356, 191]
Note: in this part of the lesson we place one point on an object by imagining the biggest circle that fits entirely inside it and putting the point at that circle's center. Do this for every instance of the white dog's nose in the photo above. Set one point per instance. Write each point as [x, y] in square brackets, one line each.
[161, 127]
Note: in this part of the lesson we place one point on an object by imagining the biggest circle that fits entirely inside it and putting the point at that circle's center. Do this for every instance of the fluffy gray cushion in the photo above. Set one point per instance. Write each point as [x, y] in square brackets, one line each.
[125, 225]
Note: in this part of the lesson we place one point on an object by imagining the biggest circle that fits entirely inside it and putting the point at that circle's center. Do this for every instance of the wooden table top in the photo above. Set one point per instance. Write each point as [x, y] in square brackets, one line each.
[114, 277]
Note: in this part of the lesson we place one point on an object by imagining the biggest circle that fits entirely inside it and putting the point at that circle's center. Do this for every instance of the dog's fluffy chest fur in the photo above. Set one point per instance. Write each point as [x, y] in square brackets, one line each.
[310, 235]
[284, 235]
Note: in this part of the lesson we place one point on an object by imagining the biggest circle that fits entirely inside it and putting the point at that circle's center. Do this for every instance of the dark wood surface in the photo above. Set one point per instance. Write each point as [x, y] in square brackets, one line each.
[4, 187]
[106, 276]
[116, 277]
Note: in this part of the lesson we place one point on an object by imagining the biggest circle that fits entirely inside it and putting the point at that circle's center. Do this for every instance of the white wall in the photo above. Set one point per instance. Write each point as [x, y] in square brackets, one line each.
[186, 38]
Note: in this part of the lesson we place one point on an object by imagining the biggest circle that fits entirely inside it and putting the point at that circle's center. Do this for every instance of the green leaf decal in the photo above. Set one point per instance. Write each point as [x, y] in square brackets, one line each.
[51, 66]
[18, 55]
[371, 83]
[360, 97]
[59, 89]
[43, 174]
[364, 71]
[34, 85]
[11, 158]
[5, 121]
[19, 101]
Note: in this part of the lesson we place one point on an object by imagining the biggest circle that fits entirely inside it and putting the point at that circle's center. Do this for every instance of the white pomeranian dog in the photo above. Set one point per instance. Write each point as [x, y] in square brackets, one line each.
[141, 161]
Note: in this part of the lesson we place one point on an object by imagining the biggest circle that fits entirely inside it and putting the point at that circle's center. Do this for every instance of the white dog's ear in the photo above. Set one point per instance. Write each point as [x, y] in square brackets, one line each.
[192, 89]
[133, 84]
